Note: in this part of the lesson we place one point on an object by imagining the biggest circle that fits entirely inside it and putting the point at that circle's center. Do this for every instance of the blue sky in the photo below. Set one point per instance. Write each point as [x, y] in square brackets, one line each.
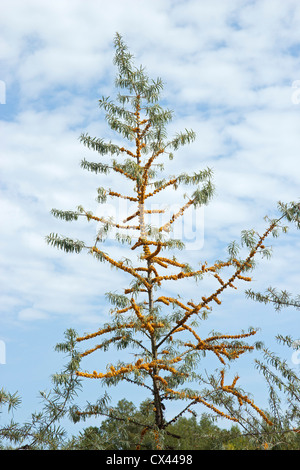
[228, 69]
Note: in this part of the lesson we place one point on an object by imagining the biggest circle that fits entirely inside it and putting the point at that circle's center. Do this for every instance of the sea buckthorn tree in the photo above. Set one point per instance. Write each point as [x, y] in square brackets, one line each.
[161, 330]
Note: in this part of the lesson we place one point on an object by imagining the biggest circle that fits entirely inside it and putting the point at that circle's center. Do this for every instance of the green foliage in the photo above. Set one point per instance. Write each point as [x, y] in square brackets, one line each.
[291, 212]
[11, 400]
[186, 434]
[99, 146]
[279, 298]
[63, 243]
[43, 431]
[95, 167]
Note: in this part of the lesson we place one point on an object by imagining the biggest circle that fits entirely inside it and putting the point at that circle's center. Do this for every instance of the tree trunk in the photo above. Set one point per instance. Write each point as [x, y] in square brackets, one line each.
[159, 418]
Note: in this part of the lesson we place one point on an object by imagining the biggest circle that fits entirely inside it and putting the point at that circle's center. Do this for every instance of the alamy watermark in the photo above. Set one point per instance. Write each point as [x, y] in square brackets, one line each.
[296, 93]
[296, 353]
[2, 352]
[188, 226]
[2, 92]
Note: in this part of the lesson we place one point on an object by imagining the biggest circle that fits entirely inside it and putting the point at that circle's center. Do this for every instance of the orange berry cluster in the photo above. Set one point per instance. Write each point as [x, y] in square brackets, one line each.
[198, 399]
[156, 438]
[122, 149]
[242, 398]
[120, 265]
[167, 226]
[141, 317]
[99, 346]
[161, 379]
[139, 365]
[143, 432]
[113, 193]
[167, 300]
[165, 185]
[116, 168]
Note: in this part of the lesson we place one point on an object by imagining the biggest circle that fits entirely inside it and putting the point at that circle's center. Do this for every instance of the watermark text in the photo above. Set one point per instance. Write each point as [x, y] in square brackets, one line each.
[2, 352]
[2, 92]
[296, 93]
[296, 353]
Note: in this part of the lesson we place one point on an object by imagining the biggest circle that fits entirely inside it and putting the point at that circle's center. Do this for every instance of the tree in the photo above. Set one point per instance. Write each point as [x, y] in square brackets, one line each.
[283, 393]
[280, 298]
[43, 430]
[162, 330]
[282, 380]
[196, 434]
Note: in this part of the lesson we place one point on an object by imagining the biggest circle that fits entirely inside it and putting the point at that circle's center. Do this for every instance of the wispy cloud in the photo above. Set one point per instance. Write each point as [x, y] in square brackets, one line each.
[228, 76]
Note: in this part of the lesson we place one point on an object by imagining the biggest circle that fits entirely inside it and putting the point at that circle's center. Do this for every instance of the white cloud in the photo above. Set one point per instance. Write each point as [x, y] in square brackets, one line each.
[31, 314]
[234, 61]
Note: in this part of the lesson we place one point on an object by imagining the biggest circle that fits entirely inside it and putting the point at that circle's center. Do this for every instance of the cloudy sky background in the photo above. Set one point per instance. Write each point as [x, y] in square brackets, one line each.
[229, 70]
